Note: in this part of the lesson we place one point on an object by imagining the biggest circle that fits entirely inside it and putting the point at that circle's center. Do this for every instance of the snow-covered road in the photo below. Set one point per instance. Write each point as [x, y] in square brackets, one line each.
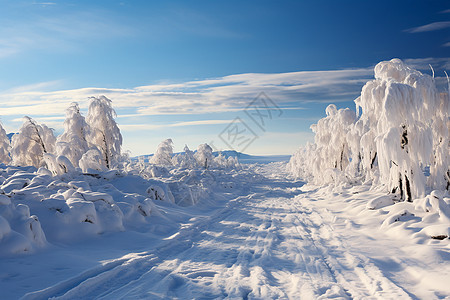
[266, 245]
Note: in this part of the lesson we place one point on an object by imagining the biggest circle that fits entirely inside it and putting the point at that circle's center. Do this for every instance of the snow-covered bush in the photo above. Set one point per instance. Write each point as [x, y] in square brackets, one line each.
[403, 129]
[73, 142]
[92, 162]
[163, 155]
[204, 156]
[331, 148]
[30, 144]
[159, 191]
[19, 231]
[58, 165]
[104, 132]
[185, 160]
[5, 146]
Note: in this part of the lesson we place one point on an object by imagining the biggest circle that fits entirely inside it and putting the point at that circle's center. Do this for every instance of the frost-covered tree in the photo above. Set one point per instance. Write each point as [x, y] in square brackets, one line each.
[30, 144]
[331, 137]
[204, 156]
[73, 142]
[186, 159]
[332, 151]
[104, 132]
[221, 161]
[440, 159]
[300, 164]
[402, 130]
[163, 154]
[5, 147]
[398, 108]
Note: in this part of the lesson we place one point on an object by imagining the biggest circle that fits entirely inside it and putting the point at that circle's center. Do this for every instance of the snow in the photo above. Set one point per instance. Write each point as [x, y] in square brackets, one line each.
[254, 232]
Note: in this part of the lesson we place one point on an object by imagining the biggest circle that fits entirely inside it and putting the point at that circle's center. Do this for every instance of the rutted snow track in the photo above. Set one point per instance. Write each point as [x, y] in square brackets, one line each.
[264, 245]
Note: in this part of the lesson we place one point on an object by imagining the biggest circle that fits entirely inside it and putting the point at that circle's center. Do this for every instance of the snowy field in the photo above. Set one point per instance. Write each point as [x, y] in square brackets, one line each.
[256, 235]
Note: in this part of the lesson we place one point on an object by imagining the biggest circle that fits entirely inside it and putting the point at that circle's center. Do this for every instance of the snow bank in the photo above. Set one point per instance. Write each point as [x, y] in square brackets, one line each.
[19, 231]
[61, 204]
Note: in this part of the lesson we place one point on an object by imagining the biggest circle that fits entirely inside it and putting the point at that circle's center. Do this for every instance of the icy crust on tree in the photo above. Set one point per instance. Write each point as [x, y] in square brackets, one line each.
[397, 140]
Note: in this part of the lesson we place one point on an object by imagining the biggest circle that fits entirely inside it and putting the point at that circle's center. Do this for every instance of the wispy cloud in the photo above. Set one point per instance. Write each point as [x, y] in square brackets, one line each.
[138, 127]
[423, 64]
[446, 44]
[430, 27]
[44, 4]
[447, 11]
[293, 90]
[224, 94]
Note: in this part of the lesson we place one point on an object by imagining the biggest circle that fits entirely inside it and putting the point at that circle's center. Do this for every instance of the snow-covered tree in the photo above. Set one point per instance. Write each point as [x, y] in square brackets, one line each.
[186, 159]
[403, 129]
[30, 144]
[204, 156]
[73, 142]
[104, 132]
[331, 154]
[398, 108]
[440, 159]
[5, 147]
[220, 161]
[163, 155]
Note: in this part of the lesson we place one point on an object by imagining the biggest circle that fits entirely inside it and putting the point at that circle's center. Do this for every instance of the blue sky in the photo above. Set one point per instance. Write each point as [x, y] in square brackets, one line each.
[186, 69]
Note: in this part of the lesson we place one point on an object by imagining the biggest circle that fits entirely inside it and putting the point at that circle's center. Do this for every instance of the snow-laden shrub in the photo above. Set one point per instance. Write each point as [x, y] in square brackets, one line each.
[92, 162]
[104, 132]
[221, 162]
[73, 142]
[159, 191]
[163, 155]
[204, 156]
[331, 154]
[5, 147]
[58, 165]
[185, 160]
[19, 231]
[300, 164]
[30, 144]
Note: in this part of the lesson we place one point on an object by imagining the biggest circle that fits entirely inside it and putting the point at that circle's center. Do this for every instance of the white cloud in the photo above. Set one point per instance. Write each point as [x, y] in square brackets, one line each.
[224, 94]
[423, 64]
[430, 27]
